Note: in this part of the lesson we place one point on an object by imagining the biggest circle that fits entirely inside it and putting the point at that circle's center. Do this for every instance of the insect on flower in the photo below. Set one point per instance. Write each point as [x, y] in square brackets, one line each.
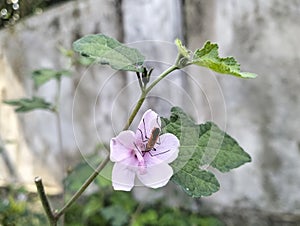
[153, 139]
[145, 154]
[150, 142]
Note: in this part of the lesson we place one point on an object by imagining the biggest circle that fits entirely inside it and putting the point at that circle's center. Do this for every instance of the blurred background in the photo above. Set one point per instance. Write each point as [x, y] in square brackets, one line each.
[261, 114]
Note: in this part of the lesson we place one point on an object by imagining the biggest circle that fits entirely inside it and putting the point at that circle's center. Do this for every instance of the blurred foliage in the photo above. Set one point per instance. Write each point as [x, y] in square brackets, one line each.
[13, 10]
[102, 206]
[108, 207]
[18, 207]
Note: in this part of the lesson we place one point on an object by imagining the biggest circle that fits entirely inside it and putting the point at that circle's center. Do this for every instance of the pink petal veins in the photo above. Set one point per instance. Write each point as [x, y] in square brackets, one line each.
[136, 156]
[149, 121]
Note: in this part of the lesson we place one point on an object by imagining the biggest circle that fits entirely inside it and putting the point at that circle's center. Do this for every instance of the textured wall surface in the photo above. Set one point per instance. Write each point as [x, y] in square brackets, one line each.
[262, 114]
[33, 44]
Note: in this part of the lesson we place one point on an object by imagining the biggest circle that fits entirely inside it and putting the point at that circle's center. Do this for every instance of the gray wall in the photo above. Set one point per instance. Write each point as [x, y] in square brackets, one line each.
[262, 114]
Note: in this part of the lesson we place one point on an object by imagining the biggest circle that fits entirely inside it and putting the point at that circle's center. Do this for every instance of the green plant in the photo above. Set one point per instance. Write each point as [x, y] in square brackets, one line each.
[194, 147]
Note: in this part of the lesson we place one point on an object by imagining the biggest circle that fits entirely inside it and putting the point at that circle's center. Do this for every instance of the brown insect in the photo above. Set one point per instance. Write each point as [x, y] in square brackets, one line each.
[152, 139]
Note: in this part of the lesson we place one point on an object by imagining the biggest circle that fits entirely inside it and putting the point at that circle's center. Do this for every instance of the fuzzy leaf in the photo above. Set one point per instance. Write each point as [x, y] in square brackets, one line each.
[106, 50]
[201, 146]
[208, 57]
[25, 104]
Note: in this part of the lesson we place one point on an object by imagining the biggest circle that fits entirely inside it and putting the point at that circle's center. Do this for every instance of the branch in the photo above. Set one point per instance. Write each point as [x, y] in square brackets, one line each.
[82, 188]
[45, 202]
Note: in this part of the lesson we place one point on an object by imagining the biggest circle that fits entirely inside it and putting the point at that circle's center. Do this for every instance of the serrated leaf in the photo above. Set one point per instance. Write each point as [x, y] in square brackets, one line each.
[106, 50]
[208, 57]
[201, 146]
[206, 144]
[42, 76]
[221, 150]
[26, 104]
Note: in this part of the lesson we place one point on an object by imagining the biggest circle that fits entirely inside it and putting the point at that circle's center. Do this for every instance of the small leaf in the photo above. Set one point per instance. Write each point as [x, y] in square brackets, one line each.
[208, 57]
[182, 50]
[201, 146]
[42, 76]
[106, 50]
[25, 104]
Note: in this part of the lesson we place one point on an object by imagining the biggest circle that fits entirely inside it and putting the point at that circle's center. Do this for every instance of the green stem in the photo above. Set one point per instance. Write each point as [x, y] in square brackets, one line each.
[55, 217]
[162, 75]
[82, 188]
[59, 135]
[135, 110]
[57, 113]
[136, 213]
[145, 92]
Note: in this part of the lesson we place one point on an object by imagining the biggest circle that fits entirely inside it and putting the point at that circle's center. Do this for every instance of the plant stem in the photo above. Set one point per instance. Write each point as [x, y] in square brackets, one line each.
[45, 202]
[135, 110]
[145, 92]
[136, 213]
[59, 134]
[57, 114]
[53, 218]
[162, 75]
[82, 188]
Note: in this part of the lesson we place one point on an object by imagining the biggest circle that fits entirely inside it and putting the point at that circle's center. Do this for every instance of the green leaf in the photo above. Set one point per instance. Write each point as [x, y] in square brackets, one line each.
[182, 50]
[208, 57]
[106, 50]
[26, 104]
[201, 146]
[196, 182]
[42, 76]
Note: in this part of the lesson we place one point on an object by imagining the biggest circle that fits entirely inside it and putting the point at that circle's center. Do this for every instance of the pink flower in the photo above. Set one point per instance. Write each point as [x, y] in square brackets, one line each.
[144, 154]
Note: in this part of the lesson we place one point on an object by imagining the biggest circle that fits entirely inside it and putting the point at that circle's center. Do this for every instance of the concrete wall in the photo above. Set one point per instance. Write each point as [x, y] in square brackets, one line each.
[262, 114]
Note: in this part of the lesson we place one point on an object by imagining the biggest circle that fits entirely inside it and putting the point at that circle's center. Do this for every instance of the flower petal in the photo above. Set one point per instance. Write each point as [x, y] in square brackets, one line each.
[126, 138]
[122, 177]
[156, 175]
[149, 121]
[121, 146]
[167, 150]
